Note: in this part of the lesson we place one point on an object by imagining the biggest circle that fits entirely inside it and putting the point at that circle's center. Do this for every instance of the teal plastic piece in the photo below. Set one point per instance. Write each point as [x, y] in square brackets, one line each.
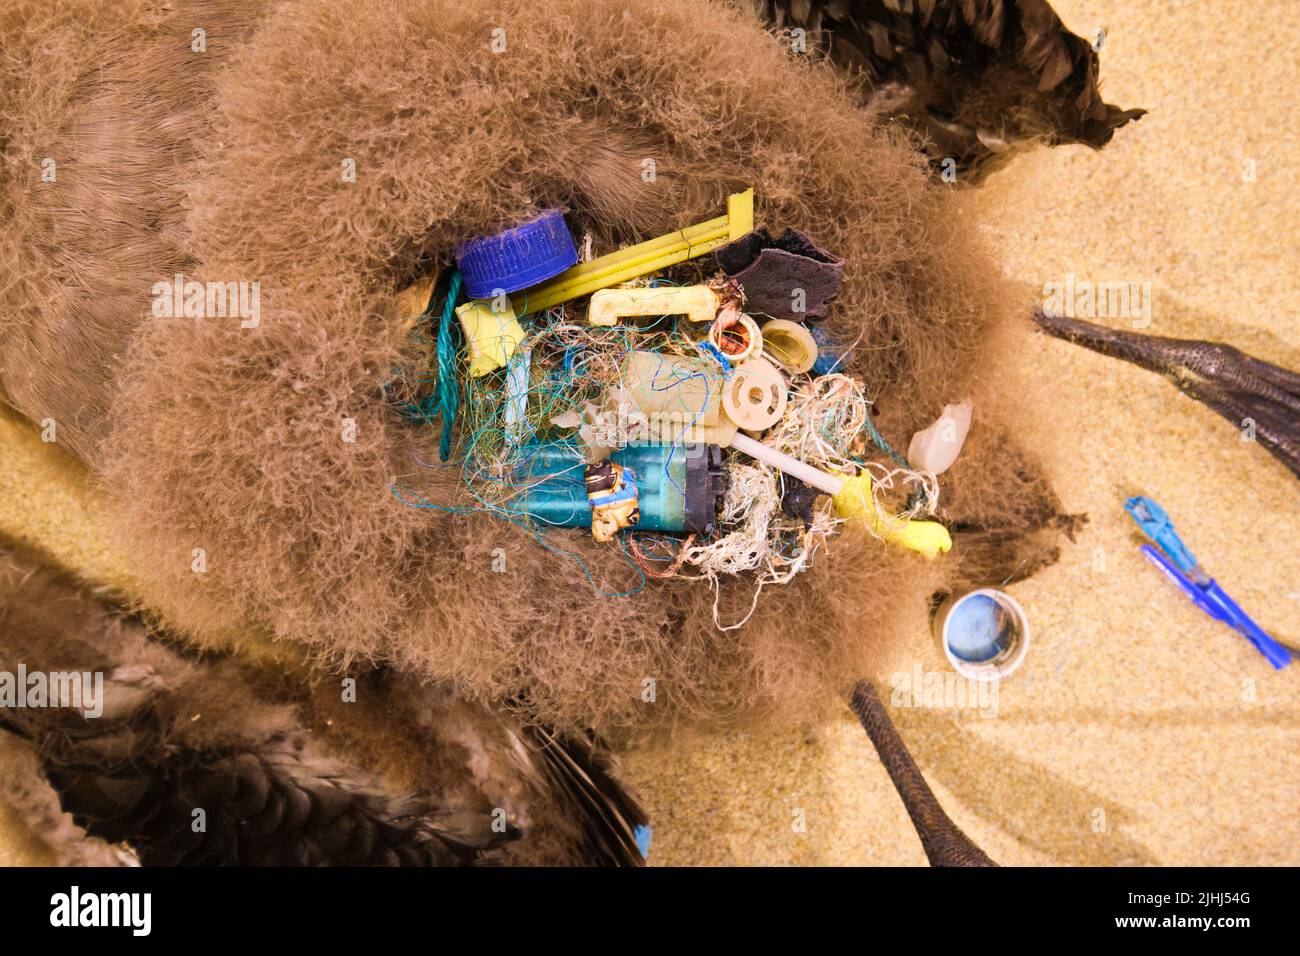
[1155, 524]
[678, 485]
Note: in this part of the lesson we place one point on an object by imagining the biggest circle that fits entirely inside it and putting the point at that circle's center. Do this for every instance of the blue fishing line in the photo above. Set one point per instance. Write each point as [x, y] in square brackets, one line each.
[519, 522]
[916, 497]
[882, 444]
[713, 350]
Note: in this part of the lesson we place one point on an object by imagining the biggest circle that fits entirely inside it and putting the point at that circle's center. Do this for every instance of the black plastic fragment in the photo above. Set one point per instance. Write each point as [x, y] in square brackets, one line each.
[789, 277]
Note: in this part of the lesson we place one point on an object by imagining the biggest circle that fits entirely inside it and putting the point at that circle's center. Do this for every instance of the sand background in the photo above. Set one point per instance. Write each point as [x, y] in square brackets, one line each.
[1138, 731]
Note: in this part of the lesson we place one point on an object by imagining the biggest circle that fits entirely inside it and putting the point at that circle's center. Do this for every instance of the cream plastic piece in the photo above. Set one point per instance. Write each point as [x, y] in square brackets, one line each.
[736, 336]
[664, 399]
[698, 303]
[491, 337]
[671, 388]
[934, 449]
[593, 432]
[755, 395]
[790, 344]
[720, 434]
[570, 419]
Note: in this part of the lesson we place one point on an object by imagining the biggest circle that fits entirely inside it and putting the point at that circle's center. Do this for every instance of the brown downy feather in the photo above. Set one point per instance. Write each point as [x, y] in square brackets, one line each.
[90, 244]
[229, 439]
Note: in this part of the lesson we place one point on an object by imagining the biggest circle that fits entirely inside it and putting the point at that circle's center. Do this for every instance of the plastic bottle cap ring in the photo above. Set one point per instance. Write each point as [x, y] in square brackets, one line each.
[755, 395]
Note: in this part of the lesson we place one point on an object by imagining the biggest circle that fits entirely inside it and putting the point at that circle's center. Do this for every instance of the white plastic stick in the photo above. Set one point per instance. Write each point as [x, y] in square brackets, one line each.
[821, 480]
[516, 406]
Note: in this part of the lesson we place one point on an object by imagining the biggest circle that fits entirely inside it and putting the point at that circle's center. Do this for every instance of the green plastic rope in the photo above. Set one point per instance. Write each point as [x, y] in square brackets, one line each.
[448, 389]
[883, 445]
[917, 497]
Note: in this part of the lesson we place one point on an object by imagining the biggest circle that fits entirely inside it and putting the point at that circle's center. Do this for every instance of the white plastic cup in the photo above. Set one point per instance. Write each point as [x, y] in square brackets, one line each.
[1015, 633]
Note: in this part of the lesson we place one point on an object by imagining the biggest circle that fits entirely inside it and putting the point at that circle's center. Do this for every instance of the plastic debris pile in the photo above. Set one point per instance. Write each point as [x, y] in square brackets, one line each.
[678, 395]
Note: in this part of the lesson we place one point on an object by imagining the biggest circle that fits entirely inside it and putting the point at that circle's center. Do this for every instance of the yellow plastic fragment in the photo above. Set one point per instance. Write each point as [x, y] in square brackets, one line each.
[854, 502]
[698, 303]
[740, 214]
[491, 336]
[413, 301]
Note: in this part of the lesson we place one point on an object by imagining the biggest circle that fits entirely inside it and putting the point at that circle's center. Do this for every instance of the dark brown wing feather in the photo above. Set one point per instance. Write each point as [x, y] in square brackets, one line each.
[972, 77]
[586, 771]
[179, 735]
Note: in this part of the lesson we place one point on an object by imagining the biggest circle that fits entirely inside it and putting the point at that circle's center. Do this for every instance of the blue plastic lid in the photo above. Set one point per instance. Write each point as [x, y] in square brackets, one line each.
[979, 629]
[517, 258]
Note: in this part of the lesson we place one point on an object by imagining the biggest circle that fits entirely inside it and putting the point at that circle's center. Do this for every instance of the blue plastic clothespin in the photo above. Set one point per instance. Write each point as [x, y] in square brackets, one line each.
[1181, 567]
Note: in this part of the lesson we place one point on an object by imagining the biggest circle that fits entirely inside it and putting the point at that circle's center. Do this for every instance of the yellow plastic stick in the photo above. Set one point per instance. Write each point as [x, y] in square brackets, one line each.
[698, 303]
[646, 257]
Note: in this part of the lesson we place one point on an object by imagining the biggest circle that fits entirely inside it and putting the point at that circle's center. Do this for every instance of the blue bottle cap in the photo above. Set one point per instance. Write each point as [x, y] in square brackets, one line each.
[517, 258]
